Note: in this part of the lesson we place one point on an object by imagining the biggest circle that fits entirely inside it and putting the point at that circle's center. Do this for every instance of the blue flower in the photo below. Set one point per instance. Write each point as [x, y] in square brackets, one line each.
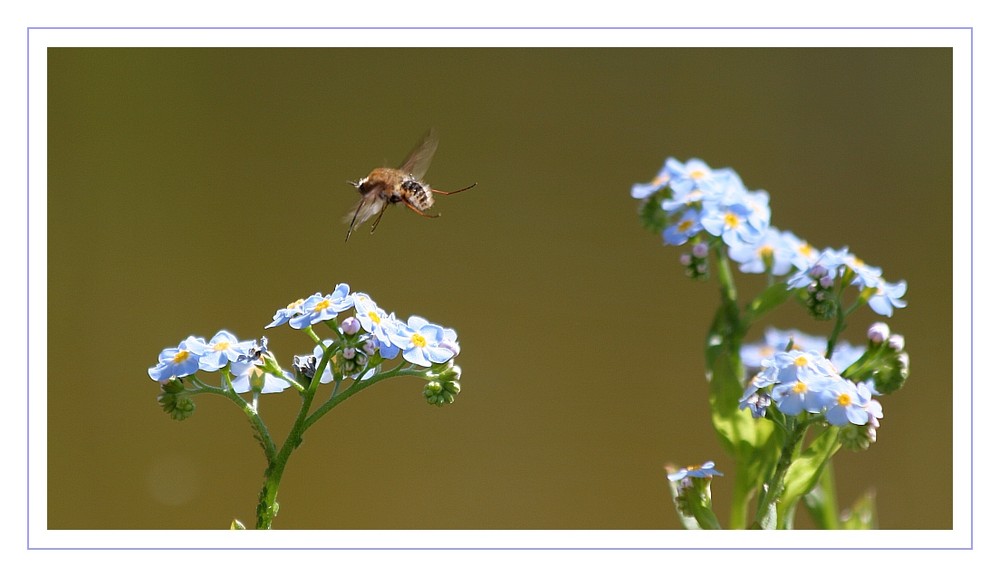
[789, 367]
[810, 394]
[319, 308]
[249, 376]
[824, 268]
[736, 216]
[756, 400]
[374, 320]
[707, 469]
[777, 340]
[865, 276]
[685, 228]
[804, 253]
[645, 190]
[874, 408]
[801, 382]
[222, 349]
[775, 252]
[821, 273]
[845, 354]
[318, 354]
[887, 297]
[282, 316]
[845, 405]
[179, 361]
[684, 201]
[424, 343]
[693, 174]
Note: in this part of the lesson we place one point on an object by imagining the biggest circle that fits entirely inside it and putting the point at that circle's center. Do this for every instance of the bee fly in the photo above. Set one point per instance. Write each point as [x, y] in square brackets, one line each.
[385, 186]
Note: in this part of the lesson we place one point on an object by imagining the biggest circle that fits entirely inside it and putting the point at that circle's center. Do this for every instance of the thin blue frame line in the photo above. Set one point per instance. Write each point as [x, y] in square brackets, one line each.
[498, 549]
[27, 288]
[500, 28]
[972, 317]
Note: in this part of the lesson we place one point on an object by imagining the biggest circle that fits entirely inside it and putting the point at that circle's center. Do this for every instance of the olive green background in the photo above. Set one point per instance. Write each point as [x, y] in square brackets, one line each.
[192, 190]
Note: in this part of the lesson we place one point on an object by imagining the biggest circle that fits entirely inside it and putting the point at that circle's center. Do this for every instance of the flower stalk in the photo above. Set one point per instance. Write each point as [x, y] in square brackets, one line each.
[354, 357]
[797, 382]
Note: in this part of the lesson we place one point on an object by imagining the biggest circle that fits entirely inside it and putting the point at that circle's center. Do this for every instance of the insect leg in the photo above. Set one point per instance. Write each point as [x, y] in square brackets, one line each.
[454, 191]
[379, 218]
[351, 228]
[418, 211]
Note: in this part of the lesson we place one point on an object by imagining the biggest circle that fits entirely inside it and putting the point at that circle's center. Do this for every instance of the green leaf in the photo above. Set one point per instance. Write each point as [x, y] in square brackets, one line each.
[768, 299]
[862, 513]
[742, 436]
[821, 501]
[752, 443]
[694, 504]
[805, 471]
[652, 216]
[769, 521]
[688, 521]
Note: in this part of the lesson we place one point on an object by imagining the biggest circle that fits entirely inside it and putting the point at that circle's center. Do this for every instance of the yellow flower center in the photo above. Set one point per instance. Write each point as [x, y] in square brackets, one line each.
[181, 356]
[292, 305]
[221, 346]
[374, 317]
[843, 399]
[684, 225]
[766, 251]
[322, 305]
[799, 388]
[697, 174]
[419, 340]
[731, 220]
[805, 249]
[801, 361]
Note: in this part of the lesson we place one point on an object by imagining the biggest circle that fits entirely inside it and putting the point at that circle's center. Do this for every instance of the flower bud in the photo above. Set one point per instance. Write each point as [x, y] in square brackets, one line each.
[878, 333]
[817, 271]
[686, 259]
[855, 438]
[896, 342]
[350, 326]
[174, 402]
[700, 250]
[349, 353]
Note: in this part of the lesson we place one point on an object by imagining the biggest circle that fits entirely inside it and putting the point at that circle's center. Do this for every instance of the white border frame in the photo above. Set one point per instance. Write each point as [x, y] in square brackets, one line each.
[959, 39]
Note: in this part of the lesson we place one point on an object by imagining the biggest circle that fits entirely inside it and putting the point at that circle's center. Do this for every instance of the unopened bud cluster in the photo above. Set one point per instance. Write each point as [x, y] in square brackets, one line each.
[444, 386]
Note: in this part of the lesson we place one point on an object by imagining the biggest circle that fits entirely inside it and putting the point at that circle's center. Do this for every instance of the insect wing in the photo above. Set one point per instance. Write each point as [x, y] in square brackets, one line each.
[419, 160]
[366, 208]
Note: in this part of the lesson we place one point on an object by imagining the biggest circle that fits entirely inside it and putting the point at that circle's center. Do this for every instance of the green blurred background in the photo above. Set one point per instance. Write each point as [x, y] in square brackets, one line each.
[197, 189]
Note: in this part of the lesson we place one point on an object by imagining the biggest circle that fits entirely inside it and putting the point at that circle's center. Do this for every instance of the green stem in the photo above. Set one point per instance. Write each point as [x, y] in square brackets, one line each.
[741, 499]
[357, 387]
[776, 486]
[728, 287]
[840, 321]
[838, 326]
[260, 429]
[267, 506]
